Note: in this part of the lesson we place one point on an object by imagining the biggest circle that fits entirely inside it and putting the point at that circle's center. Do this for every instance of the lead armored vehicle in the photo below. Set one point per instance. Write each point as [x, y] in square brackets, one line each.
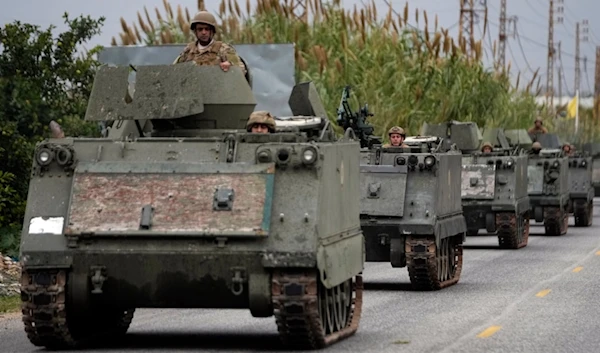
[197, 213]
[494, 183]
[548, 185]
[410, 208]
[581, 190]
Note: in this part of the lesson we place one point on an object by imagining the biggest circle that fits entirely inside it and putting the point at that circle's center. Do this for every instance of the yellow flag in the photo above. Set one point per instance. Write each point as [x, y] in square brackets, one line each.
[572, 108]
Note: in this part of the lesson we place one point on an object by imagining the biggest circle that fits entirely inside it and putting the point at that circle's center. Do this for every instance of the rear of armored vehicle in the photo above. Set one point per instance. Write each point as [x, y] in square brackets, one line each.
[581, 190]
[411, 214]
[226, 219]
[548, 189]
[494, 191]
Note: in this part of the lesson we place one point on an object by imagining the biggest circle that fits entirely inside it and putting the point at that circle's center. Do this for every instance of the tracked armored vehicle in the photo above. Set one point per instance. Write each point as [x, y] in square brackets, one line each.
[581, 190]
[410, 210]
[410, 205]
[548, 185]
[197, 213]
[494, 184]
[593, 149]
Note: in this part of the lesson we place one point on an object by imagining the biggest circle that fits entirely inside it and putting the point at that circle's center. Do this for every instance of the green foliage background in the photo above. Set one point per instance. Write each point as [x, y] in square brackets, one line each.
[42, 78]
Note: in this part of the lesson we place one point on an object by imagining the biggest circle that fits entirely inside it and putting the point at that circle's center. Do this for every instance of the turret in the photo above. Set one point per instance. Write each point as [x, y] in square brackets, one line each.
[173, 97]
[465, 135]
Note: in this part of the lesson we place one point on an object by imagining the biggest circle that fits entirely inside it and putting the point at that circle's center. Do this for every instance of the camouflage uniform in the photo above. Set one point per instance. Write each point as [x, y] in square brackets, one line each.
[261, 117]
[535, 130]
[215, 52]
[396, 130]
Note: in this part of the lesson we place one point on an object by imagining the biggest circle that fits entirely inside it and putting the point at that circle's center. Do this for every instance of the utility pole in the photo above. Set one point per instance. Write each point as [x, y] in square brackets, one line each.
[469, 15]
[597, 87]
[577, 68]
[560, 73]
[299, 9]
[502, 37]
[550, 63]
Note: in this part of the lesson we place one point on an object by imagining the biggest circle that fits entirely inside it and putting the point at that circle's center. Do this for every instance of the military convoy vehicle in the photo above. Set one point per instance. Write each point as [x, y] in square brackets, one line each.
[494, 184]
[581, 190]
[410, 205]
[593, 149]
[196, 213]
[548, 185]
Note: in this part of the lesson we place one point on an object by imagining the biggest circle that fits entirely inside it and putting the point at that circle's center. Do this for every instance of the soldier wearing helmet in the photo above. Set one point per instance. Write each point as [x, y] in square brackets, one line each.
[261, 122]
[397, 136]
[536, 147]
[567, 149]
[487, 147]
[538, 127]
[207, 51]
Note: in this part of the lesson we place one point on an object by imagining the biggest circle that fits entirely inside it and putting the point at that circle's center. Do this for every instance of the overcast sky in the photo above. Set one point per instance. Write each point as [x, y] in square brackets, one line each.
[527, 51]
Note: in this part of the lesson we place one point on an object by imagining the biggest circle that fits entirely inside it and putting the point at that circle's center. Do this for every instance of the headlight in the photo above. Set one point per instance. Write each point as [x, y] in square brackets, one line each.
[44, 156]
[429, 161]
[556, 164]
[583, 164]
[510, 162]
[309, 155]
[264, 156]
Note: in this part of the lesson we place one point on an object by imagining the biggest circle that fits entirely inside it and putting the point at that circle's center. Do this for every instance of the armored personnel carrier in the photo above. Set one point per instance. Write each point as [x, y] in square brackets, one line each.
[494, 182]
[410, 208]
[581, 190]
[196, 213]
[548, 184]
[593, 149]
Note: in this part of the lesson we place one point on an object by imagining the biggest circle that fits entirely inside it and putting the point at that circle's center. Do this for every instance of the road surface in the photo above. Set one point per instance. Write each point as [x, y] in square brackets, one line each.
[542, 298]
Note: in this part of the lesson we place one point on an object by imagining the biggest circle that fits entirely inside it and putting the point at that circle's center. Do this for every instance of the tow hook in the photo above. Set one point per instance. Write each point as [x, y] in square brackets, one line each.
[238, 280]
[98, 278]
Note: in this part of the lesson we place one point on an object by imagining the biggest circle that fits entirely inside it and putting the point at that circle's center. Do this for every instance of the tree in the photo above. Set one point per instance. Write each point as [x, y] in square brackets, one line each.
[42, 78]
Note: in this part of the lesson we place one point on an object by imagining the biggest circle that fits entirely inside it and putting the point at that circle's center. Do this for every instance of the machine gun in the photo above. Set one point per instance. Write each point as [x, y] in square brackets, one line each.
[357, 121]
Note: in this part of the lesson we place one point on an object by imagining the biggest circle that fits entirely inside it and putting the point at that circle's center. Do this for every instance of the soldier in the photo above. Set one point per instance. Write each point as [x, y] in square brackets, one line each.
[207, 51]
[538, 127]
[261, 122]
[567, 149]
[487, 147]
[397, 136]
[536, 147]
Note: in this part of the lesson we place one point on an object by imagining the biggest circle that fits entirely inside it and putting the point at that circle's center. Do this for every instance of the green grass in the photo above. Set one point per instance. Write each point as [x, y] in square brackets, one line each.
[10, 304]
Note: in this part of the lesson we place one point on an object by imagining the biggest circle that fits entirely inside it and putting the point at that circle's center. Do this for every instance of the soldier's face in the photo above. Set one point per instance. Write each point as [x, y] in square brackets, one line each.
[204, 33]
[487, 149]
[538, 124]
[260, 129]
[396, 139]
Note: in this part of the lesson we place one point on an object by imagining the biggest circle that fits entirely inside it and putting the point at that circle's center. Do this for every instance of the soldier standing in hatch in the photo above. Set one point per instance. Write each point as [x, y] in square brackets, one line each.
[538, 127]
[536, 147]
[397, 136]
[207, 51]
[487, 147]
[261, 122]
[567, 149]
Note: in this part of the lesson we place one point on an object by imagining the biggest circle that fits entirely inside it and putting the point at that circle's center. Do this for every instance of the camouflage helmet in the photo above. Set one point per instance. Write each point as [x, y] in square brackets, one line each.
[536, 146]
[396, 130]
[487, 144]
[203, 17]
[261, 117]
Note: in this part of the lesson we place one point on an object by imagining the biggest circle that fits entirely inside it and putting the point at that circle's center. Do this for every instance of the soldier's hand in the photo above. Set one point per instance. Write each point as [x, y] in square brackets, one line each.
[225, 65]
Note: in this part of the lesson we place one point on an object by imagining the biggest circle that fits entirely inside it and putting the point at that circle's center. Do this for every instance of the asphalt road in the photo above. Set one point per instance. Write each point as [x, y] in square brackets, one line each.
[543, 298]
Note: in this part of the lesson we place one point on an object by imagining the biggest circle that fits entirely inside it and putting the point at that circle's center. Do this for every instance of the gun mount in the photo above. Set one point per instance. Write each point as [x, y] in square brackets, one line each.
[357, 121]
[465, 135]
